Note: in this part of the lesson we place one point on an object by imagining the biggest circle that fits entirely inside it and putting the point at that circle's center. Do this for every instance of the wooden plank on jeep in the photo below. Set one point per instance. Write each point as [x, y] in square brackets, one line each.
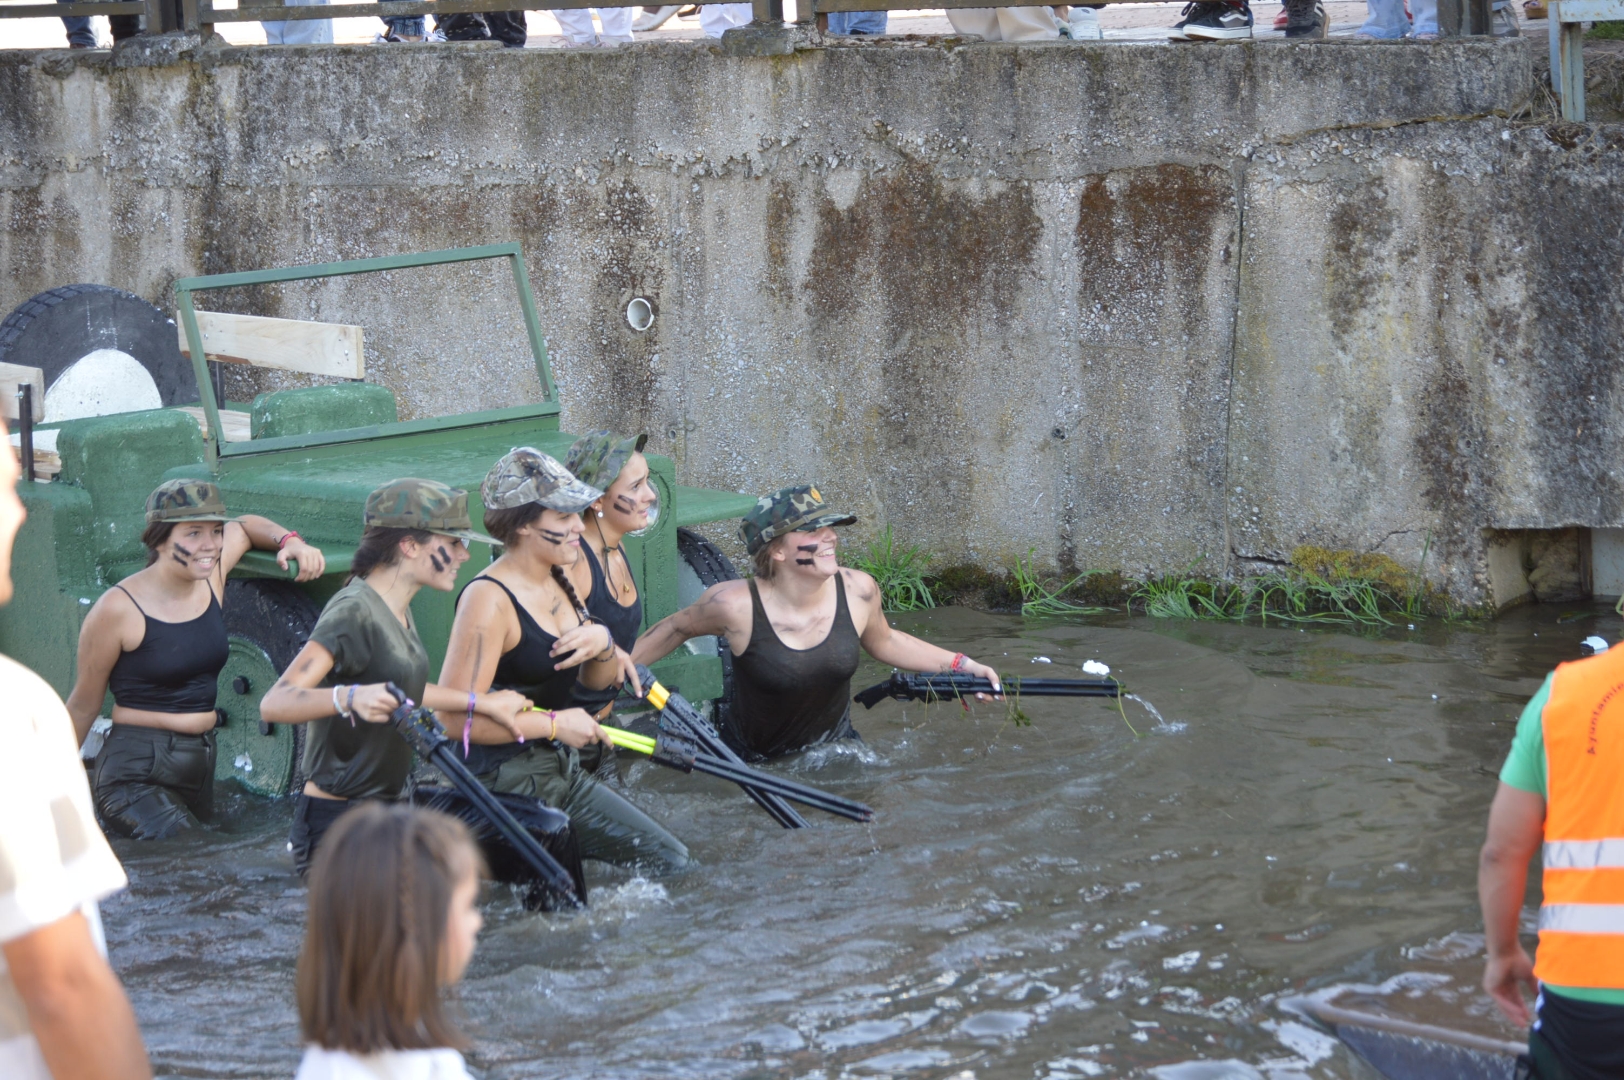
[314, 348]
[11, 377]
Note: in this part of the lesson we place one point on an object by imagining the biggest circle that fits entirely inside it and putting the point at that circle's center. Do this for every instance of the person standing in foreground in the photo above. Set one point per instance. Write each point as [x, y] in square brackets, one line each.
[796, 630]
[1562, 788]
[63, 1014]
[391, 926]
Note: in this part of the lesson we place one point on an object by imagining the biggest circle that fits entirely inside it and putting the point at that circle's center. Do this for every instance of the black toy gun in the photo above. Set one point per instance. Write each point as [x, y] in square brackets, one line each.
[932, 686]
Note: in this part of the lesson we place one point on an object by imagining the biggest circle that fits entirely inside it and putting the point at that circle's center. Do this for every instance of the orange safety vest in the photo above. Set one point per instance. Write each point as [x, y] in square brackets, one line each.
[1581, 922]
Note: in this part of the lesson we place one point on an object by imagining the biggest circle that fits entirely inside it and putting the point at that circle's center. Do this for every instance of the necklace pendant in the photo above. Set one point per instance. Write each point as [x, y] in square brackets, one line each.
[625, 589]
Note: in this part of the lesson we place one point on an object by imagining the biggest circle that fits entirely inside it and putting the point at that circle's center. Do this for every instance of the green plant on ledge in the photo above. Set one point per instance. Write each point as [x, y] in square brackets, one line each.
[1039, 598]
[899, 572]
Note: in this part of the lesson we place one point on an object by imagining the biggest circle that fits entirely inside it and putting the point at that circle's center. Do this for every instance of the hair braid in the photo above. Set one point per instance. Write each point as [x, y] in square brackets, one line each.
[569, 591]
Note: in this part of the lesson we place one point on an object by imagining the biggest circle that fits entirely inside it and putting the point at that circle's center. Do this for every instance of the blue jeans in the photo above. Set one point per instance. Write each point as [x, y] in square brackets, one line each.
[857, 22]
[1387, 18]
[404, 25]
[78, 28]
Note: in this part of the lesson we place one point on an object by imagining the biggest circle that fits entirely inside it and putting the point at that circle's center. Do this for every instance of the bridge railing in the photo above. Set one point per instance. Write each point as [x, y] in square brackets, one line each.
[1455, 17]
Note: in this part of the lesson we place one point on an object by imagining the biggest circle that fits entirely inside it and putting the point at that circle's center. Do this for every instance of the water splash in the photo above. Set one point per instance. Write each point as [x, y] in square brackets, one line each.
[1162, 723]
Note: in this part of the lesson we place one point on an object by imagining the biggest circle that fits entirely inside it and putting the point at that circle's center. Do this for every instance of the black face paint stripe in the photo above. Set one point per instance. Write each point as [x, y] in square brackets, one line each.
[624, 504]
[804, 562]
[180, 560]
[554, 537]
[434, 561]
[184, 551]
[806, 547]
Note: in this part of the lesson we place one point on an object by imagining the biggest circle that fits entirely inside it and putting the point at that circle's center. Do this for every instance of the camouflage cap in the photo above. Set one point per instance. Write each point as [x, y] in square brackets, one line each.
[186, 500]
[597, 457]
[526, 475]
[791, 509]
[428, 505]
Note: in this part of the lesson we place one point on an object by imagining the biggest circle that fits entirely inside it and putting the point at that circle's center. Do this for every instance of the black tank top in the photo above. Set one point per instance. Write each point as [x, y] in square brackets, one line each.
[176, 668]
[788, 699]
[623, 623]
[527, 668]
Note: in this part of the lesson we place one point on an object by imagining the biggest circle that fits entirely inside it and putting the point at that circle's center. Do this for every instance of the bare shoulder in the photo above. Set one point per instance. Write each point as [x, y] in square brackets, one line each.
[726, 596]
[859, 584]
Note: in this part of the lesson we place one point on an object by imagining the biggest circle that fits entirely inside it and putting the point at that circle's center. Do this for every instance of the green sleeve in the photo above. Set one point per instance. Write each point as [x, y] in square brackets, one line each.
[1525, 765]
[343, 631]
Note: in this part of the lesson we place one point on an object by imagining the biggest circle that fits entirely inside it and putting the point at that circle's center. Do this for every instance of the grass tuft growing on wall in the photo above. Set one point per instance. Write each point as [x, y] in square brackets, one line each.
[899, 572]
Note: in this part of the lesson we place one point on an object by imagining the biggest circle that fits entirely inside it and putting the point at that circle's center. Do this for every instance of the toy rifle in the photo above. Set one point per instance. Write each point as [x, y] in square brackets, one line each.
[686, 720]
[942, 687]
[685, 739]
[422, 730]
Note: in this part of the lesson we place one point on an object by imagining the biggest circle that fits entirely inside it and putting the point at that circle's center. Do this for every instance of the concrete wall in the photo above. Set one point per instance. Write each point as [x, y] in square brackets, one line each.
[1137, 307]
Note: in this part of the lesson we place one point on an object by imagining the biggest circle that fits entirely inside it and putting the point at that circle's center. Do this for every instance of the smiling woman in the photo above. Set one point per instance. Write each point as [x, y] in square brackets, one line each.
[157, 639]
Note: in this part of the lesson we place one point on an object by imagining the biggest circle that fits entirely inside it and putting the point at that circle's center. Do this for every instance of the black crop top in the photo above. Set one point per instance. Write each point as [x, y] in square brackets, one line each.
[527, 668]
[623, 622]
[176, 668]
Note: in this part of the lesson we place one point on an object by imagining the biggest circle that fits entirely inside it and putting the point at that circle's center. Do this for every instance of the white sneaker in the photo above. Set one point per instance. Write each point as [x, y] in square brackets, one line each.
[1085, 25]
[590, 43]
[653, 20]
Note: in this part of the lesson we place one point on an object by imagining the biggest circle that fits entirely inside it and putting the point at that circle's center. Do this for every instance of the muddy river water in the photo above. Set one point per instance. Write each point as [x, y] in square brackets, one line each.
[1058, 900]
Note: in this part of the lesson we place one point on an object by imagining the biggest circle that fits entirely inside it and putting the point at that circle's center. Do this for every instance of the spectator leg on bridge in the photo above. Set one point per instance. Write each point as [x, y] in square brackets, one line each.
[850, 23]
[1424, 19]
[1306, 19]
[717, 19]
[80, 35]
[616, 25]
[508, 27]
[401, 27]
[299, 31]
[1386, 20]
[1006, 24]
[1223, 20]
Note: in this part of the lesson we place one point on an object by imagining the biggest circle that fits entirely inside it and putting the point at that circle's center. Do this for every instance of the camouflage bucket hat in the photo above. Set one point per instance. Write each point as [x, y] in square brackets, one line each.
[422, 504]
[597, 457]
[186, 500]
[526, 475]
[787, 510]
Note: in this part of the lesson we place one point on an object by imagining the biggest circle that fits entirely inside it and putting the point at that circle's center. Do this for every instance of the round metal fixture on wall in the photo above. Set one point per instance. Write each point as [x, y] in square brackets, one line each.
[639, 314]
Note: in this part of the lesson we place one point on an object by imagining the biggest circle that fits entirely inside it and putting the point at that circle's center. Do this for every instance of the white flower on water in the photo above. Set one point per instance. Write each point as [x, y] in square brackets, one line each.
[1094, 667]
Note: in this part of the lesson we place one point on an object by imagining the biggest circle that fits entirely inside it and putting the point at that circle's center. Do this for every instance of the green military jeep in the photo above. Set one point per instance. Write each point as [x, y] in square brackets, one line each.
[305, 458]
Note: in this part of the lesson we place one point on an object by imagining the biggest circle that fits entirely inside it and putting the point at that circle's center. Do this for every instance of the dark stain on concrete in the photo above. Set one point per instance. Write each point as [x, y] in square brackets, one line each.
[780, 228]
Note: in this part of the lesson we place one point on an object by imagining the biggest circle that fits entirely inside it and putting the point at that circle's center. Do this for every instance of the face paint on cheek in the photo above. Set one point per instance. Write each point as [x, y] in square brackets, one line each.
[440, 559]
[182, 555]
[625, 504]
[805, 562]
[554, 538]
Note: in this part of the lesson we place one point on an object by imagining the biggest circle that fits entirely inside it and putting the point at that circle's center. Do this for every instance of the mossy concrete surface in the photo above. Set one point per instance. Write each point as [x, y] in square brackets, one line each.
[1144, 309]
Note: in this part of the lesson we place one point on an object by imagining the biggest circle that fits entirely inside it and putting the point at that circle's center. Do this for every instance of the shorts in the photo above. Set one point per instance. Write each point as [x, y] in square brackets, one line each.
[151, 783]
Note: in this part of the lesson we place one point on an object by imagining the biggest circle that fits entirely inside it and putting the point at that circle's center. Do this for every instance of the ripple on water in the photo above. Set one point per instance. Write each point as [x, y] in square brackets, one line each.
[1055, 901]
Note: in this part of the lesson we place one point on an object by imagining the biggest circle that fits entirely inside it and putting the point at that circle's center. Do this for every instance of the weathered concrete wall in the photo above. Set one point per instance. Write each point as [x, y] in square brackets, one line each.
[1136, 307]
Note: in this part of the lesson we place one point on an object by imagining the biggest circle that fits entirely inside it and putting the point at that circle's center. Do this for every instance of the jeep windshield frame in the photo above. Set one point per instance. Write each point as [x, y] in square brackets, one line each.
[215, 447]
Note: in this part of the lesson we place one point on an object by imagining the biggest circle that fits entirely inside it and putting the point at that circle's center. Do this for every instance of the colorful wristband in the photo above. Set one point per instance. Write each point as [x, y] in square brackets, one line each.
[468, 725]
[289, 535]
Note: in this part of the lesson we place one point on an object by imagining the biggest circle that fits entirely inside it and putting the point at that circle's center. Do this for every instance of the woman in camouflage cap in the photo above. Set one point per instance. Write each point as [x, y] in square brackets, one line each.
[415, 536]
[522, 625]
[796, 630]
[158, 639]
[602, 577]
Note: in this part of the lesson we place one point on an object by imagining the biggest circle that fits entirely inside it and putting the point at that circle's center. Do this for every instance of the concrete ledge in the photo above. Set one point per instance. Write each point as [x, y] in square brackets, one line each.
[1138, 307]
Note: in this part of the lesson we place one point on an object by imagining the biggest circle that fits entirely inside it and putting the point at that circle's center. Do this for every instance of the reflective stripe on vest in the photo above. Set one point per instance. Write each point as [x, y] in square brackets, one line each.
[1585, 854]
[1581, 925]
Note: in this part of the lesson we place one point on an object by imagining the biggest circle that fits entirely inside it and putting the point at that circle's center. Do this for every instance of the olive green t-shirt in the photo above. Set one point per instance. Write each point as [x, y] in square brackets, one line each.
[369, 645]
[1525, 770]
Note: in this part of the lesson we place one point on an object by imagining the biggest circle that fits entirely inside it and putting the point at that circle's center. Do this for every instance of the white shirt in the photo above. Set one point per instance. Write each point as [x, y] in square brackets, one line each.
[53, 858]
[438, 1064]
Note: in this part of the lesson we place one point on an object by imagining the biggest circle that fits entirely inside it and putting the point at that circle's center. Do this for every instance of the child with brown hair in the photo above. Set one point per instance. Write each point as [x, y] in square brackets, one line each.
[392, 923]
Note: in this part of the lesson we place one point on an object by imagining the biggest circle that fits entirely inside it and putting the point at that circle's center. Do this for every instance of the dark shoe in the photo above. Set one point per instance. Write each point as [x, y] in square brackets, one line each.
[1312, 23]
[1222, 22]
[1191, 12]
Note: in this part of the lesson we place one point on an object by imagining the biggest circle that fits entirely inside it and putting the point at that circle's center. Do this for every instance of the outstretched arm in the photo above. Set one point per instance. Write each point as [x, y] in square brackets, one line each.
[1516, 828]
[723, 608]
[891, 646]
